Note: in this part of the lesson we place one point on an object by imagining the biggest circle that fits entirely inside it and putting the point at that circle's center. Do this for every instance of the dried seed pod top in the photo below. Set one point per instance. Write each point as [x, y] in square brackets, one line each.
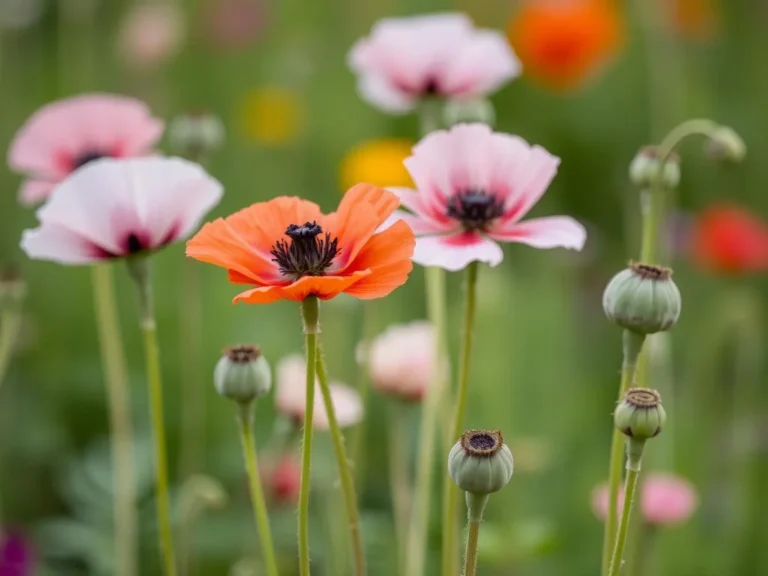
[480, 462]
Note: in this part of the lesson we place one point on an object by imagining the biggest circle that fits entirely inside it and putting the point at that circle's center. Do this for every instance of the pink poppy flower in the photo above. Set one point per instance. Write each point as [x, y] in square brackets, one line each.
[665, 500]
[290, 396]
[401, 360]
[151, 34]
[474, 186]
[114, 208]
[64, 135]
[405, 59]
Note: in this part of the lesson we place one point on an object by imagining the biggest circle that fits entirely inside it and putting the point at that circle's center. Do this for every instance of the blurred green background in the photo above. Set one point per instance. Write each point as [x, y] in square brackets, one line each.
[546, 363]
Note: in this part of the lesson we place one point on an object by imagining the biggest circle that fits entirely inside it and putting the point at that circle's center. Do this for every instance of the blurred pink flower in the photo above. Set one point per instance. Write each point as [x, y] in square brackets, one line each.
[401, 359]
[444, 55]
[474, 186]
[290, 396]
[282, 478]
[234, 24]
[114, 208]
[151, 34]
[666, 499]
[66, 134]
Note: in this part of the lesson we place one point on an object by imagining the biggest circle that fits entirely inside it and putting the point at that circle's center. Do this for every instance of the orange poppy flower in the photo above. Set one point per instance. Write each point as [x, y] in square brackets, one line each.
[290, 250]
[564, 42]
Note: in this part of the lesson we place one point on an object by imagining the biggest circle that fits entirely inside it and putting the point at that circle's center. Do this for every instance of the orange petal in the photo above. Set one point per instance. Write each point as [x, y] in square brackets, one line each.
[388, 256]
[324, 287]
[363, 209]
[218, 243]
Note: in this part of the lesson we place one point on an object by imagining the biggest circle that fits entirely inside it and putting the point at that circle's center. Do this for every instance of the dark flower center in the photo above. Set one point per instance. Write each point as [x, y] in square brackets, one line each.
[475, 209]
[133, 243]
[309, 252]
[86, 157]
[242, 354]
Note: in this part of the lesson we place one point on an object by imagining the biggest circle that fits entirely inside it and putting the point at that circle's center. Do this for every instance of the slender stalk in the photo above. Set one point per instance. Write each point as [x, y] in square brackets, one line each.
[417, 537]
[310, 310]
[139, 269]
[9, 330]
[121, 428]
[470, 556]
[621, 536]
[345, 473]
[633, 344]
[245, 421]
[450, 491]
[399, 485]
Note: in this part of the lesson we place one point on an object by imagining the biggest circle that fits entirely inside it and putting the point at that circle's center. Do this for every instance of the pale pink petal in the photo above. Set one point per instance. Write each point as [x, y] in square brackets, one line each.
[35, 191]
[531, 182]
[378, 91]
[52, 141]
[549, 232]
[434, 216]
[483, 66]
[455, 252]
[59, 244]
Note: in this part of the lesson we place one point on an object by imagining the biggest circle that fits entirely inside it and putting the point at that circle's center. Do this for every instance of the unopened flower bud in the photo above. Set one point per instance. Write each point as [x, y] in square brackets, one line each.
[643, 298]
[645, 166]
[480, 462]
[195, 134]
[475, 110]
[640, 414]
[725, 144]
[242, 374]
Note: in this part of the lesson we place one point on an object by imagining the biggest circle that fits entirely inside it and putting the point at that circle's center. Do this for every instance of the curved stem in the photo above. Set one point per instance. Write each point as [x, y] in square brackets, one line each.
[633, 344]
[470, 557]
[621, 536]
[310, 310]
[417, 537]
[345, 473]
[161, 459]
[450, 491]
[121, 437]
[245, 421]
[398, 477]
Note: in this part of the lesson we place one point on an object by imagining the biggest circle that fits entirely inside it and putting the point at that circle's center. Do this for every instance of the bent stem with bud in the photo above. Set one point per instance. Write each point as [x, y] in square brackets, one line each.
[138, 266]
[310, 310]
[345, 474]
[449, 491]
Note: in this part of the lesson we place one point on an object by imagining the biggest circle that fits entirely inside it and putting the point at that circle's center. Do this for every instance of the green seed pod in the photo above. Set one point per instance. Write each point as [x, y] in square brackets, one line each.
[480, 462]
[195, 134]
[242, 374]
[643, 298]
[645, 166]
[640, 414]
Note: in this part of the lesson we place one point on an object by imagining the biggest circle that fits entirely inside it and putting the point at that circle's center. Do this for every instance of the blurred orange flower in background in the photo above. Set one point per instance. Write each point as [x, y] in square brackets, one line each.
[692, 18]
[563, 43]
[379, 162]
[272, 115]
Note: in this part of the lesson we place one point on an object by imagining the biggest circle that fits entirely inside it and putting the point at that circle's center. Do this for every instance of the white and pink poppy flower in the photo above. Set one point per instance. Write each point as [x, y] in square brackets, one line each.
[443, 55]
[474, 187]
[114, 208]
[290, 397]
[65, 135]
[401, 360]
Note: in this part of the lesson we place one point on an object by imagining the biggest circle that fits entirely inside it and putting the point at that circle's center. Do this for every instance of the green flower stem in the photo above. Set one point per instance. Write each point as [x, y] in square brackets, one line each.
[450, 491]
[470, 557]
[417, 536]
[121, 428]
[398, 476]
[633, 344]
[634, 451]
[430, 115]
[139, 268]
[245, 421]
[345, 473]
[9, 330]
[310, 310]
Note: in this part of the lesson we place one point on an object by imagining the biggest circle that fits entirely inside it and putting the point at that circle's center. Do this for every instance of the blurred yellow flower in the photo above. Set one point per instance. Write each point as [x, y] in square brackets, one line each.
[378, 162]
[272, 115]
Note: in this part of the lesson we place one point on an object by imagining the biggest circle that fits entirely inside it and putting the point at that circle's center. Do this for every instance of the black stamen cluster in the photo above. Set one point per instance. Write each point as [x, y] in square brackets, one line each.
[475, 209]
[307, 253]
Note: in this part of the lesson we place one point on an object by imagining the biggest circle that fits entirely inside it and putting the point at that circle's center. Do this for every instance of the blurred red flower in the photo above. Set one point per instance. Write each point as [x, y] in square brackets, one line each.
[282, 478]
[729, 239]
[563, 43]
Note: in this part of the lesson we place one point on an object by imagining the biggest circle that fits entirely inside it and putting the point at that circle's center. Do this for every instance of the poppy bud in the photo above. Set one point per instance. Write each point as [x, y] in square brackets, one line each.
[645, 167]
[643, 298]
[725, 144]
[195, 134]
[242, 374]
